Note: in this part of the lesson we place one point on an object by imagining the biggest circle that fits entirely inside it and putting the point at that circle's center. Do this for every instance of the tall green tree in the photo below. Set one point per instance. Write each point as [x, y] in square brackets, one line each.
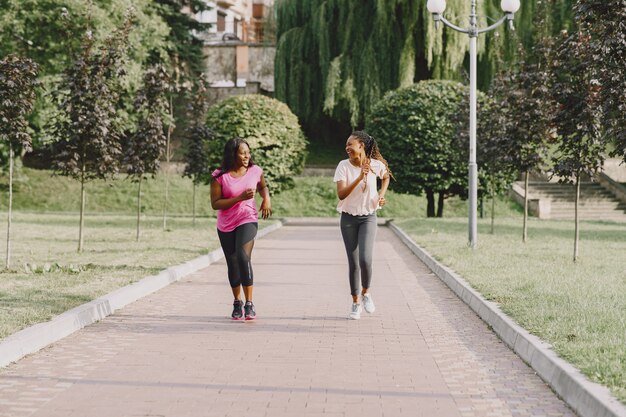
[87, 127]
[145, 147]
[185, 35]
[50, 33]
[336, 59]
[582, 146]
[18, 81]
[416, 130]
[196, 138]
[187, 63]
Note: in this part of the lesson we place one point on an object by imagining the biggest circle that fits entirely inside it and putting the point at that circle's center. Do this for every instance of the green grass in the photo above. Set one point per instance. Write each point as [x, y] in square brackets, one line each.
[579, 308]
[39, 190]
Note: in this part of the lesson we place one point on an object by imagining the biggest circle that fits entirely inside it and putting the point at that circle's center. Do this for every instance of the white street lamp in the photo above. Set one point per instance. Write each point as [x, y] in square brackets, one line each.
[437, 7]
[510, 6]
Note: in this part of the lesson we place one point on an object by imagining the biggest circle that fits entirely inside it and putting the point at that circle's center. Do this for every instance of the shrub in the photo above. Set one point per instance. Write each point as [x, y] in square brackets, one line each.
[418, 135]
[272, 130]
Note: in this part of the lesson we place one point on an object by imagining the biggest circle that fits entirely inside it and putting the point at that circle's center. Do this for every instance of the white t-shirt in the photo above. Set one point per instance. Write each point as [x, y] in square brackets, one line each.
[360, 202]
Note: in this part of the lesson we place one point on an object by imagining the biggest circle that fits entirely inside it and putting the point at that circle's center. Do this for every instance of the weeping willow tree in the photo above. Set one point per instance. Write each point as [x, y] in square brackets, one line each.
[336, 58]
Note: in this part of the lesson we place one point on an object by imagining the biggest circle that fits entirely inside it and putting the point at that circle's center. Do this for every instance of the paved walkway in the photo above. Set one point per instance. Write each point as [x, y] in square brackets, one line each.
[175, 353]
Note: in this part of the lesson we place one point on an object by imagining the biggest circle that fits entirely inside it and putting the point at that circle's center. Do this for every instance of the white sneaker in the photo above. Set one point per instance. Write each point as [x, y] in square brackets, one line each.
[355, 312]
[368, 303]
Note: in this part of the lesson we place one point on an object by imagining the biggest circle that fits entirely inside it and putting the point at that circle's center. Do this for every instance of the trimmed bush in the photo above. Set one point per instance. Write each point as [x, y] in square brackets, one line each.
[417, 133]
[272, 130]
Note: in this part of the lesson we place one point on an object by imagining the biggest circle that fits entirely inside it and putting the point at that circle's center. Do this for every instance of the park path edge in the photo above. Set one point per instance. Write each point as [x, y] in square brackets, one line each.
[586, 398]
[40, 335]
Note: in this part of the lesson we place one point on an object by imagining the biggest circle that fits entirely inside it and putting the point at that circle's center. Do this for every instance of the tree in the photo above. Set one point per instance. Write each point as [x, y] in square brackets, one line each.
[87, 127]
[185, 35]
[146, 145]
[197, 136]
[604, 23]
[582, 146]
[18, 81]
[272, 130]
[336, 59]
[523, 115]
[186, 53]
[50, 33]
[496, 171]
[416, 129]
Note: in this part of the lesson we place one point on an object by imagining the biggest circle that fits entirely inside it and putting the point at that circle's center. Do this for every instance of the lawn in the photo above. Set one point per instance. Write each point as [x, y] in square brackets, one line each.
[579, 308]
[49, 277]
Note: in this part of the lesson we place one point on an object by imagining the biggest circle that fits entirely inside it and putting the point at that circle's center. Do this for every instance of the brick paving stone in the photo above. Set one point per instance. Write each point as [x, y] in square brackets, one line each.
[175, 353]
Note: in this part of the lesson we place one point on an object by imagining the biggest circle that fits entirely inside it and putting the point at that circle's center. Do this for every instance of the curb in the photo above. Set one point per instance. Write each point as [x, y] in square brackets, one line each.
[321, 221]
[40, 335]
[586, 398]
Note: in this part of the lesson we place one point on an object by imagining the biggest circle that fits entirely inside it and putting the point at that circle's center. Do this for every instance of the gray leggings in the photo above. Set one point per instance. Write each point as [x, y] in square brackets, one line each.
[358, 234]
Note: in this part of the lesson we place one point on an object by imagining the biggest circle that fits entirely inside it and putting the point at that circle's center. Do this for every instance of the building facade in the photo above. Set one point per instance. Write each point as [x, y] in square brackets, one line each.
[239, 47]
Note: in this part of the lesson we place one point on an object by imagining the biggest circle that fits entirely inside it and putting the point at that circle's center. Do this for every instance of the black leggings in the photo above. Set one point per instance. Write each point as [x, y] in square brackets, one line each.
[237, 246]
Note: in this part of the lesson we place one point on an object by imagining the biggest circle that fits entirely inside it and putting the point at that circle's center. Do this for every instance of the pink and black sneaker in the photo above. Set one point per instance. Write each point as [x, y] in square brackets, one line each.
[250, 313]
[237, 310]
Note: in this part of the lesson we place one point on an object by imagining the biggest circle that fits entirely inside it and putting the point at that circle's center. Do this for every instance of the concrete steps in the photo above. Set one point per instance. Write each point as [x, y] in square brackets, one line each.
[556, 201]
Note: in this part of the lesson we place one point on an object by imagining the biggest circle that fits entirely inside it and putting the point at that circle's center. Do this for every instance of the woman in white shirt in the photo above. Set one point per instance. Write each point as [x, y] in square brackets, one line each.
[358, 202]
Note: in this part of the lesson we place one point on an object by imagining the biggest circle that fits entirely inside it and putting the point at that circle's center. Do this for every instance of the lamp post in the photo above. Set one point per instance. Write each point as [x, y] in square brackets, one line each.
[437, 7]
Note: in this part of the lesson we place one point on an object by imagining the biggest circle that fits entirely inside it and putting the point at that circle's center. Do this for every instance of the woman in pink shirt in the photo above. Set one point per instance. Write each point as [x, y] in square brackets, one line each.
[232, 195]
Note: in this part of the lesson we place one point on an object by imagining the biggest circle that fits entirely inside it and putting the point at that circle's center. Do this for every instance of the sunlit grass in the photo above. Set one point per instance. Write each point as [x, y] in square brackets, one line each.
[580, 308]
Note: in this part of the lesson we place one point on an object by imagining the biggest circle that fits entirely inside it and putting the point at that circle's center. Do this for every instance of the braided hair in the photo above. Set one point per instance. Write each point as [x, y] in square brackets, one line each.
[371, 148]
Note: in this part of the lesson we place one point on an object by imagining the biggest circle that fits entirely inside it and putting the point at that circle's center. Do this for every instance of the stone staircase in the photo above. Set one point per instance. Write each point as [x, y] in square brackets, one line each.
[550, 200]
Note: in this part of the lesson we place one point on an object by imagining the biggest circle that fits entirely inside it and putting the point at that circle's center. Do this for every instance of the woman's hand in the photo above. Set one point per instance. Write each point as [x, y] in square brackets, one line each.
[266, 208]
[365, 169]
[381, 200]
[247, 195]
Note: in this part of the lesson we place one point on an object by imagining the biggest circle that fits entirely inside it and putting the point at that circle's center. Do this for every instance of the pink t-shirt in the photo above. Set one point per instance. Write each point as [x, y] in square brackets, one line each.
[244, 211]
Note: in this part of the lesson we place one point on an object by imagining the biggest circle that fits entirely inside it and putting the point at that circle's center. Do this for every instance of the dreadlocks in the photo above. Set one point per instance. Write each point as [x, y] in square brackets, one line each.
[371, 148]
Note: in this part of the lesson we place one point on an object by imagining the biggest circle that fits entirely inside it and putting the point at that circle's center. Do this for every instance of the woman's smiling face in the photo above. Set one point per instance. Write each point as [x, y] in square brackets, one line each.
[243, 155]
[354, 147]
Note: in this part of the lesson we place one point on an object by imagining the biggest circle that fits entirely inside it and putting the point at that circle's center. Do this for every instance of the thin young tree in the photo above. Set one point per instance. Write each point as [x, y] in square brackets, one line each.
[174, 88]
[145, 147]
[18, 83]
[496, 170]
[197, 135]
[87, 127]
[582, 145]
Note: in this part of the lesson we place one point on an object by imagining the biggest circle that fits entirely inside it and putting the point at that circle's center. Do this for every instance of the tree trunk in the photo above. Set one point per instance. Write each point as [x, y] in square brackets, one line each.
[430, 203]
[138, 206]
[10, 203]
[193, 204]
[525, 225]
[167, 170]
[481, 206]
[440, 204]
[576, 226]
[493, 212]
[82, 209]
